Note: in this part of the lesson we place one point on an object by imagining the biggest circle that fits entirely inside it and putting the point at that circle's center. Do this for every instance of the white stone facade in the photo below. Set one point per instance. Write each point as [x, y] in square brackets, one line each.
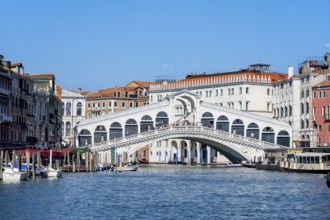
[74, 106]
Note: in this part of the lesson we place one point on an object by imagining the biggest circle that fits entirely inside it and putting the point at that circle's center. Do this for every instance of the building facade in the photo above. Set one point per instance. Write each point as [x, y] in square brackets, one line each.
[321, 113]
[6, 117]
[293, 100]
[74, 112]
[116, 99]
[248, 90]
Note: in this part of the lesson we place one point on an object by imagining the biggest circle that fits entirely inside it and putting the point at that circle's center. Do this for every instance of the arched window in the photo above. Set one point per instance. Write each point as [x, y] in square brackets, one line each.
[253, 131]
[268, 135]
[223, 123]
[238, 127]
[207, 119]
[161, 119]
[131, 127]
[116, 131]
[68, 109]
[100, 134]
[146, 123]
[67, 128]
[283, 138]
[84, 138]
[79, 109]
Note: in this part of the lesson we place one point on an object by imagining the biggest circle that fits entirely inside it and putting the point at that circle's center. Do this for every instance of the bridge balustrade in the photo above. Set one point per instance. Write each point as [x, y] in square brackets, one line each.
[195, 129]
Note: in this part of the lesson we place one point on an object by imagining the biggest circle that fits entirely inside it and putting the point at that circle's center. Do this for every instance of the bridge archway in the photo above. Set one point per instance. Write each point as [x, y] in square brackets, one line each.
[238, 127]
[222, 123]
[162, 119]
[115, 131]
[146, 123]
[207, 119]
[268, 135]
[253, 131]
[100, 134]
[84, 138]
[131, 127]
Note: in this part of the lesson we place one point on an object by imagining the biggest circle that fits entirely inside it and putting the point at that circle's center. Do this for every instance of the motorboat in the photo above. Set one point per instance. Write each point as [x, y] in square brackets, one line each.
[10, 175]
[234, 165]
[128, 167]
[248, 164]
[51, 172]
[310, 162]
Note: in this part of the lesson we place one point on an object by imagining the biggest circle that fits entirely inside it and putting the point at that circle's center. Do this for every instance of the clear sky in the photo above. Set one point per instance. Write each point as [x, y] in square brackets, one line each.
[105, 43]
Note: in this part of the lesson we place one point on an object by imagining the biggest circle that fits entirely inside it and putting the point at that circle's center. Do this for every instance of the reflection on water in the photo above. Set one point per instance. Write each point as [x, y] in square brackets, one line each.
[169, 192]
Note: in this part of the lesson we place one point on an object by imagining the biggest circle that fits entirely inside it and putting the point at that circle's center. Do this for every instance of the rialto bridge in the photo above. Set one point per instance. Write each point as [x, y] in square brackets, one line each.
[182, 128]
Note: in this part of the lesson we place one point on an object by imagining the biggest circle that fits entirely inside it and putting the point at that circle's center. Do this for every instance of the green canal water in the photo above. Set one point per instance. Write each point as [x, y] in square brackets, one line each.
[169, 192]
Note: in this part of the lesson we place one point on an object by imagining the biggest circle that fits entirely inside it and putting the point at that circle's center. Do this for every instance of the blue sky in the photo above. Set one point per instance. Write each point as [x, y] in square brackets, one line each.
[106, 43]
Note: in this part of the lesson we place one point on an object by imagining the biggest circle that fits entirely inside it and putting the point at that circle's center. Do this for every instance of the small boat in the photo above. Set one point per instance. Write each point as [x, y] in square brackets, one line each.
[10, 175]
[51, 172]
[248, 164]
[234, 165]
[100, 167]
[128, 167]
[143, 160]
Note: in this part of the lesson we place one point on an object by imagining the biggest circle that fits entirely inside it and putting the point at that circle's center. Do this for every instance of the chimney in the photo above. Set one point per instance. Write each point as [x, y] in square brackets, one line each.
[79, 90]
[290, 71]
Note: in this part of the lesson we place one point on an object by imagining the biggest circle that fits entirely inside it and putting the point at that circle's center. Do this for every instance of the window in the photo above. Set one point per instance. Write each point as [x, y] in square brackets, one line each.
[103, 104]
[118, 93]
[307, 123]
[79, 109]
[126, 94]
[314, 95]
[89, 105]
[268, 91]
[115, 104]
[123, 105]
[302, 93]
[246, 106]
[328, 127]
[232, 91]
[109, 104]
[323, 94]
[320, 95]
[290, 110]
[216, 92]
[314, 110]
[221, 92]
[307, 108]
[302, 124]
[207, 93]
[115, 94]
[131, 104]
[247, 90]
[240, 90]
[228, 91]
[98, 105]
[93, 105]
[210, 93]
[307, 92]
[302, 108]
[320, 127]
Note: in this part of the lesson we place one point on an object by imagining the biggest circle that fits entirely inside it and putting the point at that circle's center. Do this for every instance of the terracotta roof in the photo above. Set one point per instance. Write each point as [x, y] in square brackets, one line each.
[143, 84]
[323, 84]
[42, 76]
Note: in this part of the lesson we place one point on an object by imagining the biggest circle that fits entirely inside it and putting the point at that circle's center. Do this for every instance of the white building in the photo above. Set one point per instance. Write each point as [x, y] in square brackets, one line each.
[293, 101]
[248, 90]
[74, 112]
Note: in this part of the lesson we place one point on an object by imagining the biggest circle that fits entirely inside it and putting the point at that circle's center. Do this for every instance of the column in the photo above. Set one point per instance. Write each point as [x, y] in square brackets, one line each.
[179, 153]
[198, 153]
[188, 152]
[208, 156]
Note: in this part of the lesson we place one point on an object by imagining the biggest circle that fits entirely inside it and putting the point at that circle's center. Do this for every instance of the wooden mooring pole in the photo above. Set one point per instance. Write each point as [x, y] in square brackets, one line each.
[1, 161]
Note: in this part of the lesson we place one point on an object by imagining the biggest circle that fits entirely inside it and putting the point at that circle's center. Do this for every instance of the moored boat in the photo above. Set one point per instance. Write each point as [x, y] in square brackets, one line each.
[51, 172]
[128, 167]
[307, 162]
[10, 175]
[248, 164]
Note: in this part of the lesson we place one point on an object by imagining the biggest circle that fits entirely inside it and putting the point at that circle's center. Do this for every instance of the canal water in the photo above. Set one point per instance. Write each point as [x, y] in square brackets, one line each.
[170, 192]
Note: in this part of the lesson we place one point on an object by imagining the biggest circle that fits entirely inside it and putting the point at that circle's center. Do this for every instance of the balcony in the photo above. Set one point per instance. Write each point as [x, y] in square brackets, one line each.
[326, 117]
[5, 91]
[4, 117]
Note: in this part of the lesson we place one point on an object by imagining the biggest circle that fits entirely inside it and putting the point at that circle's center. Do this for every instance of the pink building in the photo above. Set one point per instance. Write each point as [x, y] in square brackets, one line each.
[321, 113]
